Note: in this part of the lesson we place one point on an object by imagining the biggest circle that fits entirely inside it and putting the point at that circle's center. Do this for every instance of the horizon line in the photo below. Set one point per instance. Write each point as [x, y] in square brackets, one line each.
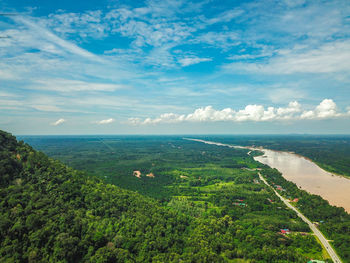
[193, 134]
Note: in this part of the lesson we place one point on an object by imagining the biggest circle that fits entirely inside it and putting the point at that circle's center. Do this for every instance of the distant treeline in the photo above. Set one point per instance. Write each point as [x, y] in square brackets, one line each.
[332, 153]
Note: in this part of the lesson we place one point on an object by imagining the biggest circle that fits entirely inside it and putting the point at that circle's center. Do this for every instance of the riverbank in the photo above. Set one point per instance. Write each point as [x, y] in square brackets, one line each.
[331, 220]
[303, 172]
[325, 167]
[332, 157]
[325, 243]
[309, 176]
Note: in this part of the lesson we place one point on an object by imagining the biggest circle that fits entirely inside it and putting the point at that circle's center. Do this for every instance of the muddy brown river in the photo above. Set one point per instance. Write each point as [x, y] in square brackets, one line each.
[309, 176]
[304, 173]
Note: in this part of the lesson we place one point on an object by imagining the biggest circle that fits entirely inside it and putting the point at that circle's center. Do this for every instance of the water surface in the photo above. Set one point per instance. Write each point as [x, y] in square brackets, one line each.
[309, 176]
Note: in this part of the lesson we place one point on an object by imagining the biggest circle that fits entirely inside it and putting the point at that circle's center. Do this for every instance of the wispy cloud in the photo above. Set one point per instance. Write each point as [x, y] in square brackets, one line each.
[58, 122]
[43, 107]
[224, 17]
[43, 33]
[329, 58]
[223, 40]
[7, 75]
[192, 60]
[67, 85]
[280, 95]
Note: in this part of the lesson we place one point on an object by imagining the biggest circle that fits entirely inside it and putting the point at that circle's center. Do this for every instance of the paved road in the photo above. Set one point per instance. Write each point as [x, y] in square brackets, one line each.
[314, 229]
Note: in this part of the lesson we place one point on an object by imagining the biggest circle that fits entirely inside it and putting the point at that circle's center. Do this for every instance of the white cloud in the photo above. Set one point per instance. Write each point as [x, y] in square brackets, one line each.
[192, 60]
[88, 24]
[33, 51]
[7, 94]
[134, 121]
[147, 26]
[208, 114]
[222, 40]
[329, 58]
[325, 110]
[293, 107]
[7, 75]
[160, 56]
[53, 42]
[52, 108]
[107, 121]
[280, 95]
[161, 8]
[247, 56]
[225, 16]
[293, 3]
[58, 122]
[7, 103]
[257, 113]
[67, 85]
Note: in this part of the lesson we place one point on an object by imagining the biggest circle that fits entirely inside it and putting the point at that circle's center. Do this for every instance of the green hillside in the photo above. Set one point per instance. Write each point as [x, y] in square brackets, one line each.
[52, 213]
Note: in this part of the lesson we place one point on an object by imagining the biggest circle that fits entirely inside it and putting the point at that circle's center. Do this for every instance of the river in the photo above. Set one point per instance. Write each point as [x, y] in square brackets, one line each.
[310, 177]
[304, 173]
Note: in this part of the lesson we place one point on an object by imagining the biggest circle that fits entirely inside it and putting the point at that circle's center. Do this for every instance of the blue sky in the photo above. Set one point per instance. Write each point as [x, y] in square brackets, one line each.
[154, 67]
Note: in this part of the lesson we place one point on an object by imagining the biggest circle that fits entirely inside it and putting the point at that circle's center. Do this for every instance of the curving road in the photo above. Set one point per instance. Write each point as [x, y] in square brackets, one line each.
[314, 229]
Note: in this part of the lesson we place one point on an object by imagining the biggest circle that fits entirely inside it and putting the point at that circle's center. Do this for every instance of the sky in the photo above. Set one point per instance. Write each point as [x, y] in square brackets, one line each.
[175, 67]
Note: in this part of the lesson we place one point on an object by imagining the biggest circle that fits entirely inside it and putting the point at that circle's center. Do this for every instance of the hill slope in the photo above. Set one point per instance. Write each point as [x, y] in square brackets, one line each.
[50, 213]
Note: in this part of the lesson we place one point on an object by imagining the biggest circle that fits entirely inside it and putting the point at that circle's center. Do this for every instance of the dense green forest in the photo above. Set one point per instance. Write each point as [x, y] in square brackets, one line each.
[204, 204]
[332, 153]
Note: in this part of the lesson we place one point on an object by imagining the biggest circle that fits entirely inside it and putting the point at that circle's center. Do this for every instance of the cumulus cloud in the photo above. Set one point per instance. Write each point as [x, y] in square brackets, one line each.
[58, 122]
[107, 121]
[293, 107]
[326, 109]
[253, 112]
